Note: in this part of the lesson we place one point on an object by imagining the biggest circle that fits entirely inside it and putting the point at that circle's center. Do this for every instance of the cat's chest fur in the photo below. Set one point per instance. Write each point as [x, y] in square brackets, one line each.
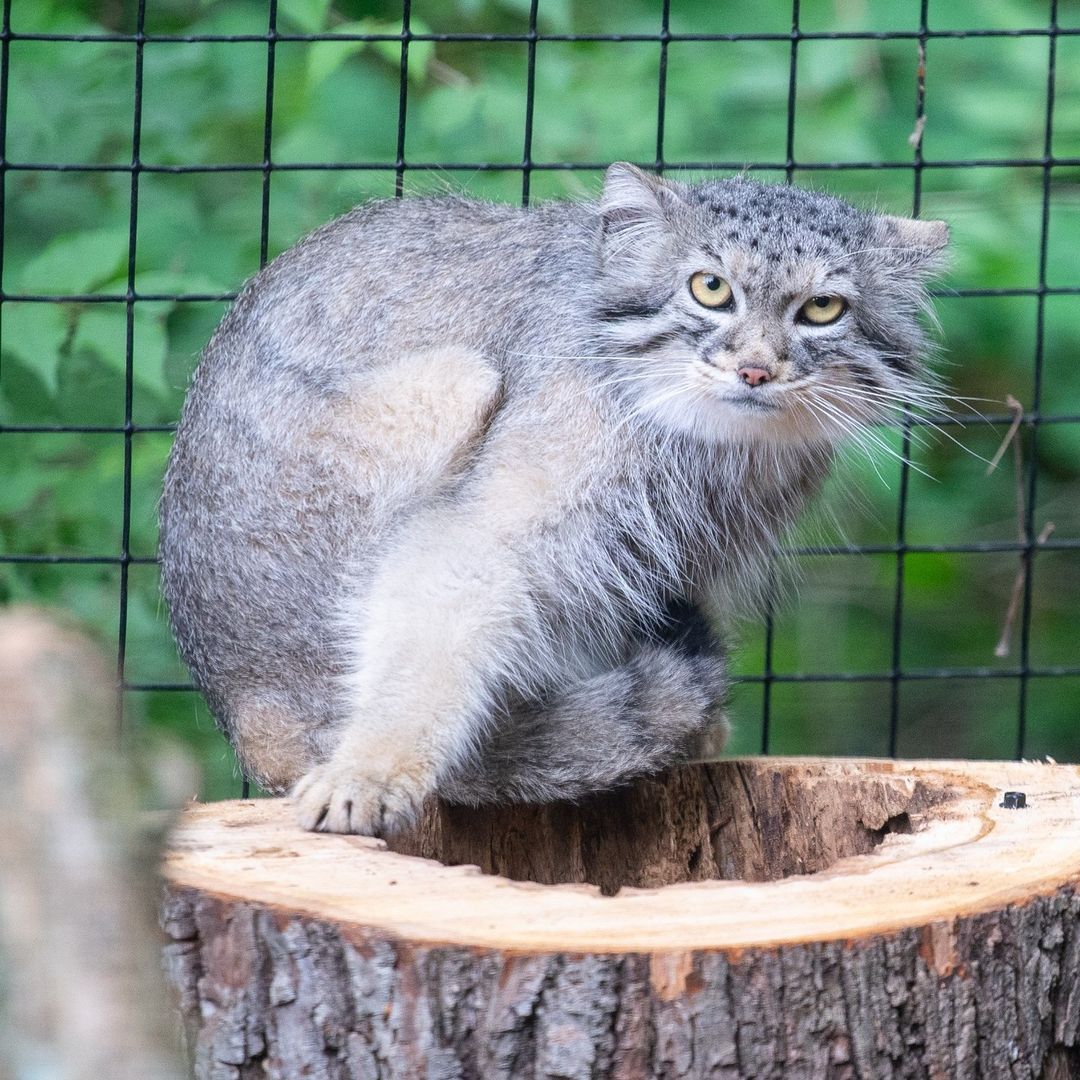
[722, 509]
[625, 516]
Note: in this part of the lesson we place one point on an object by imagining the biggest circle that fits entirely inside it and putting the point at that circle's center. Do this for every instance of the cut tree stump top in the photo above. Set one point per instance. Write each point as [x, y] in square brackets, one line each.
[826, 850]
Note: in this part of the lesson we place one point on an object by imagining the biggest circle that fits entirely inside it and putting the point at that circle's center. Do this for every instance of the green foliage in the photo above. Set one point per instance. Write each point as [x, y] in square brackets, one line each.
[69, 234]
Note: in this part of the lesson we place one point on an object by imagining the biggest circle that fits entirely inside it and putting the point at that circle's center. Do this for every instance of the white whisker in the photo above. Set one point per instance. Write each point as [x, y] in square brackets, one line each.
[902, 405]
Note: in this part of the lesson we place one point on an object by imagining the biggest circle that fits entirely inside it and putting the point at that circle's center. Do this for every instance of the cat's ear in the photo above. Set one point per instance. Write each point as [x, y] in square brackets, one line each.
[632, 197]
[912, 243]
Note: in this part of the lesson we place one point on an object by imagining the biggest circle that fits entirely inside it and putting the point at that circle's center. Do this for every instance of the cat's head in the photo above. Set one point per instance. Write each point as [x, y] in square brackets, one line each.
[734, 309]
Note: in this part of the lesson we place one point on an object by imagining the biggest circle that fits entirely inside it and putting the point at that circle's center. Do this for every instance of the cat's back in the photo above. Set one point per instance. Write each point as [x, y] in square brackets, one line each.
[408, 274]
[386, 282]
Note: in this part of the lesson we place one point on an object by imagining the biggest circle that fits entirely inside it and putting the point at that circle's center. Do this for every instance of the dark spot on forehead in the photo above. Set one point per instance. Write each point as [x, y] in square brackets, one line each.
[780, 207]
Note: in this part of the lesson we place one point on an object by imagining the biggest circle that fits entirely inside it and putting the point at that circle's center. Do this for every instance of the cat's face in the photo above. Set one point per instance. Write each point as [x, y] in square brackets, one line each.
[739, 310]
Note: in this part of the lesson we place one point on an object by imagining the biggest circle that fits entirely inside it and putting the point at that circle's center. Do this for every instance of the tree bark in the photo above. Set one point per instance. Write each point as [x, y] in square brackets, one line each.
[754, 918]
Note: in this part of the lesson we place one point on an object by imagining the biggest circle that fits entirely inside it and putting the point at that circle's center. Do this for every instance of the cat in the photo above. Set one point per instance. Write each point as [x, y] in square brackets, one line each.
[463, 494]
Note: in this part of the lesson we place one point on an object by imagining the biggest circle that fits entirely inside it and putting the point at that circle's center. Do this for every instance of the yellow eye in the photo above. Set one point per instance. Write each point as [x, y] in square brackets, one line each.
[710, 289]
[822, 310]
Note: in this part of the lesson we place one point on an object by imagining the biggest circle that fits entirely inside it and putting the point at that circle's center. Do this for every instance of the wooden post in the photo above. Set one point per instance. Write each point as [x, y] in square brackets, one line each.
[753, 918]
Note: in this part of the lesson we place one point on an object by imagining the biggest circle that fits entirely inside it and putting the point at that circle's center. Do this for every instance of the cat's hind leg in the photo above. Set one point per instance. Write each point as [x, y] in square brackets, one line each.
[636, 719]
[408, 425]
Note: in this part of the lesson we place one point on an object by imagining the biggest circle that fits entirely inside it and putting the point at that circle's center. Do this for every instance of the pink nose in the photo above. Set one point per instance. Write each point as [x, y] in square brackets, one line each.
[754, 376]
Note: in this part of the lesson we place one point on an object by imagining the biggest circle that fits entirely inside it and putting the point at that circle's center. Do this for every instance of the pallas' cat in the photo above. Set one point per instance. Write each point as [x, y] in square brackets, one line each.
[462, 494]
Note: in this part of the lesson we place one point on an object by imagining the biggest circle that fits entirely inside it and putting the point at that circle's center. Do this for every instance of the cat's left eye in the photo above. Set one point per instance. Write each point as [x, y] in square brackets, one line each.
[822, 310]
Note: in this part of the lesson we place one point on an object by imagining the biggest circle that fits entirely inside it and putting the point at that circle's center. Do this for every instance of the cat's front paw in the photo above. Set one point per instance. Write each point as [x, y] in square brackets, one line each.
[344, 798]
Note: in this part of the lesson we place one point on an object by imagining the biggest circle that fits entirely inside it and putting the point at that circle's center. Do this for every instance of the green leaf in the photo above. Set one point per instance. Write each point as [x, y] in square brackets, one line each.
[55, 16]
[172, 283]
[22, 482]
[77, 263]
[151, 349]
[325, 57]
[36, 333]
[25, 398]
[307, 15]
[421, 53]
[103, 330]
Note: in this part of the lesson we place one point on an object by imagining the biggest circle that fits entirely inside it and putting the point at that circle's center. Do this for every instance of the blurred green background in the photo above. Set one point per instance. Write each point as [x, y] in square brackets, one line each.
[66, 233]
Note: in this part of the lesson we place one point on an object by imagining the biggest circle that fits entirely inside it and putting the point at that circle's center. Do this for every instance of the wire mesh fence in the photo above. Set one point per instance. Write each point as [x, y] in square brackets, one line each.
[141, 35]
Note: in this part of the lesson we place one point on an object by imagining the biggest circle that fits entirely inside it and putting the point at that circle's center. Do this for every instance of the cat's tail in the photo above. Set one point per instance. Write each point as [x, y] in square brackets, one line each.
[624, 723]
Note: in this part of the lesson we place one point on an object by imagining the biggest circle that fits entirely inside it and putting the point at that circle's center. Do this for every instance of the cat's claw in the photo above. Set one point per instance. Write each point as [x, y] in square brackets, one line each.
[339, 798]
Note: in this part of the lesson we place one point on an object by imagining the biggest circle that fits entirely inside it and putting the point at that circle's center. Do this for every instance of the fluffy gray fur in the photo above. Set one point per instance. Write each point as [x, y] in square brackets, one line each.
[461, 491]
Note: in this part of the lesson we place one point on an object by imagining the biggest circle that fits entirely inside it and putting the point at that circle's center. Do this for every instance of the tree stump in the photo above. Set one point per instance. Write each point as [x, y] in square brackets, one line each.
[748, 918]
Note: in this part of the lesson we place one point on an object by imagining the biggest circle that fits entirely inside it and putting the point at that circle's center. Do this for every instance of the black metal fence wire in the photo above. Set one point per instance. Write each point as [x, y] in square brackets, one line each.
[922, 38]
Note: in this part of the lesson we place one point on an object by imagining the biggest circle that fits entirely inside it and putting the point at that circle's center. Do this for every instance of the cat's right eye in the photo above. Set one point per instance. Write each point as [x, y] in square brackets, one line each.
[711, 290]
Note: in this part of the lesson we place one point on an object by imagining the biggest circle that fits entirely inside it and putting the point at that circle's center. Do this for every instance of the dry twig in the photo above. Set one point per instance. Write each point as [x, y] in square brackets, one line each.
[1004, 643]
